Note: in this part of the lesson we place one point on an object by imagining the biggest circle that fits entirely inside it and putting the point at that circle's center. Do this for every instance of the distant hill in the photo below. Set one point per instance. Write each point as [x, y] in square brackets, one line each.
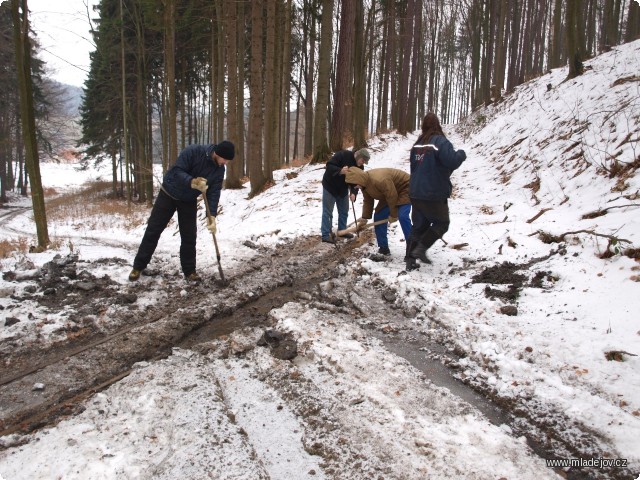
[61, 127]
[71, 98]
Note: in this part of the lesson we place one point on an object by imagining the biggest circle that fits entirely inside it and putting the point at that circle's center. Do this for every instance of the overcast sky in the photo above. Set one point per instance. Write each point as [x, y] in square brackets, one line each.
[63, 29]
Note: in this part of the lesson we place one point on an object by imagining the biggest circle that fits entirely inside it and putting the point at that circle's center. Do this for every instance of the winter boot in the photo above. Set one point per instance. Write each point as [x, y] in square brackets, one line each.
[193, 277]
[384, 251]
[419, 251]
[411, 264]
[134, 275]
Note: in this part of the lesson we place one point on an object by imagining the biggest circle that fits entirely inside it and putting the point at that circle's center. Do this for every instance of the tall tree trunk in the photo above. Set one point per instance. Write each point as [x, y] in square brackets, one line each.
[321, 149]
[415, 67]
[308, 104]
[296, 136]
[501, 57]
[556, 37]
[359, 85]
[572, 46]
[406, 37]
[475, 18]
[633, 22]
[434, 28]
[526, 47]
[512, 73]
[145, 177]
[270, 98]
[215, 63]
[5, 162]
[170, 66]
[370, 61]
[340, 130]
[286, 83]
[490, 21]
[240, 159]
[277, 88]
[254, 144]
[125, 124]
[592, 28]
[382, 78]
[607, 41]
[389, 65]
[27, 114]
[393, 65]
[234, 168]
[219, 69]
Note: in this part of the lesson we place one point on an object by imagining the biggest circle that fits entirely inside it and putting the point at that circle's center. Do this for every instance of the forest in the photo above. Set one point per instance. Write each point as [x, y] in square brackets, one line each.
[283, 80]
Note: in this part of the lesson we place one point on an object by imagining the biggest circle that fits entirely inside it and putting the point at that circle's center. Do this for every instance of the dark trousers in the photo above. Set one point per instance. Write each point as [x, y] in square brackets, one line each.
[430, 222]
[162, 211]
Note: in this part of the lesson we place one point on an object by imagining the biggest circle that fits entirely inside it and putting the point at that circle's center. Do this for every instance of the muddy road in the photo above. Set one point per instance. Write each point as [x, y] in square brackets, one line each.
[43, 382]
[90, 357]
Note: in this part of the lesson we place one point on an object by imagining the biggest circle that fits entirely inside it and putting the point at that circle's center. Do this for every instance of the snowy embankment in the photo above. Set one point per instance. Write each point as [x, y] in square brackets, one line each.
[535, 164]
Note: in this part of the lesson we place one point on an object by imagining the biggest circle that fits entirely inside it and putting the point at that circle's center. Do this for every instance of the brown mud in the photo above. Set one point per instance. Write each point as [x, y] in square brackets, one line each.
[92, 358]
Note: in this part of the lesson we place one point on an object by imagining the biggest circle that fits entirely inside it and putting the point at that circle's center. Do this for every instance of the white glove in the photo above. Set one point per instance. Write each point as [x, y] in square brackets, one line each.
[361, 222]
[199, 183]
[212, 225]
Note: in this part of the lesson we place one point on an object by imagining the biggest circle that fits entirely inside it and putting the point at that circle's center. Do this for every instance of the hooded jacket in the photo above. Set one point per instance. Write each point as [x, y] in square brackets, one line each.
[431, 169]
[389, 186]
[195, 161]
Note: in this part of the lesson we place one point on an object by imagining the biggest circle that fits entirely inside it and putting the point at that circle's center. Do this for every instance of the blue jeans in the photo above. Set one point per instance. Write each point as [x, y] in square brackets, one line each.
[403, 218]
[328, 202]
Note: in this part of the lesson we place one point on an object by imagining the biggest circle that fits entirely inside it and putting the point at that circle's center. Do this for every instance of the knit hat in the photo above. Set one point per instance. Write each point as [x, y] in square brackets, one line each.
[225, 149]
[364, 154]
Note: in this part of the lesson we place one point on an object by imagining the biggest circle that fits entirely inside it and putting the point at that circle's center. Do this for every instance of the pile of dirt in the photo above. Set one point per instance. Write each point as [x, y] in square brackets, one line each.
[515, 277]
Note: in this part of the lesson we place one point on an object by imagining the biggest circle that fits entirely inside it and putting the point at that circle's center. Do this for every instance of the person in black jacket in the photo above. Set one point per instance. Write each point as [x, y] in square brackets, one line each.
[433, 159]
[198, 169]
[335, 191]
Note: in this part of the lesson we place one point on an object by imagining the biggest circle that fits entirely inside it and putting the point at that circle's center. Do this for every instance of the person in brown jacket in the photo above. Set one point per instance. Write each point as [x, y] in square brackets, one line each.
[390, 187]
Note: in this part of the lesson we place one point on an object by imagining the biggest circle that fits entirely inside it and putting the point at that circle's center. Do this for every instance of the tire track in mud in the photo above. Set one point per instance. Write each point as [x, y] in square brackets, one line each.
[549, 434]
[72, 372]
[269, 280]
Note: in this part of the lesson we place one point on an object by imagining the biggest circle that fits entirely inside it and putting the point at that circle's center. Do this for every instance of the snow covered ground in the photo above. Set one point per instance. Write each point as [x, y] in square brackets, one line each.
[534, 165]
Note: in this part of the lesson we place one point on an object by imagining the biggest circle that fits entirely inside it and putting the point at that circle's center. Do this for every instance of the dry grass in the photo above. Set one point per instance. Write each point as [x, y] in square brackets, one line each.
[9, 247]
[96, 205]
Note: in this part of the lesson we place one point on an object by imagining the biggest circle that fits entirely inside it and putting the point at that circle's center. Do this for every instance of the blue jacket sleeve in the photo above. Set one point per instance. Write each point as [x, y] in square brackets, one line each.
[184, 164]
[448, 156]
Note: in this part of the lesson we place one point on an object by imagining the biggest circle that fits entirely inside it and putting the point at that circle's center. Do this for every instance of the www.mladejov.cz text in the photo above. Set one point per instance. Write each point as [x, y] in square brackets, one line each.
[587, 462]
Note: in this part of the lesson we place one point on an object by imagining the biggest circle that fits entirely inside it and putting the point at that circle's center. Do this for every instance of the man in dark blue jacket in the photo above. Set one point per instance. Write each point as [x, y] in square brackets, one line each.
[335, 191]
[433, 160]
[199, 169]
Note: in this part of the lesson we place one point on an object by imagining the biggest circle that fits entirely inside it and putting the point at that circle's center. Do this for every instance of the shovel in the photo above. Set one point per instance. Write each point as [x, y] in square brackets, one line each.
[353, 207]
[223, 281]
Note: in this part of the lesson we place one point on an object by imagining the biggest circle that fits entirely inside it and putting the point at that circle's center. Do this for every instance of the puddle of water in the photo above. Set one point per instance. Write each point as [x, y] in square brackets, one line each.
[414, 352]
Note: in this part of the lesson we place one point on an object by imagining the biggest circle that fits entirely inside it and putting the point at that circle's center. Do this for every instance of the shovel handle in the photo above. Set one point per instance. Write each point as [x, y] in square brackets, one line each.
[353, 207]
[215, 240]
[356, 229]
